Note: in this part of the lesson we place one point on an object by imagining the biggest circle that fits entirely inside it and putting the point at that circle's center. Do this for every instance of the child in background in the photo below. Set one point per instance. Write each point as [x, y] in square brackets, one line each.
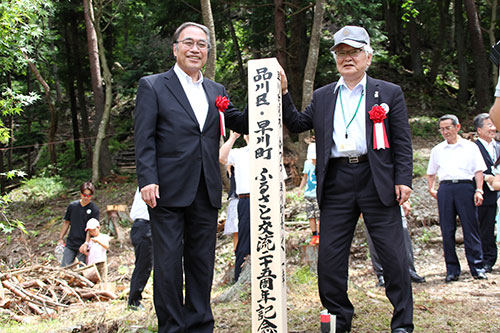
[98, 245]
[309, 180]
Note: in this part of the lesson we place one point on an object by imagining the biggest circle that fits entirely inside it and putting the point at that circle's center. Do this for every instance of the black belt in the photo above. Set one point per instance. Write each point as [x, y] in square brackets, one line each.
[351, 159]
[246, 195]
[456, 181]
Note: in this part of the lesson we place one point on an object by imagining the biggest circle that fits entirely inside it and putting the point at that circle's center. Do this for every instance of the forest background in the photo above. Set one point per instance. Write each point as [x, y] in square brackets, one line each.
[69, 69]
[68, 78]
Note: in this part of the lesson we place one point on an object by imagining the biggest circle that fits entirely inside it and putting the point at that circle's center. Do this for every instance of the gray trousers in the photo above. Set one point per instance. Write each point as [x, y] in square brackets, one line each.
[69, 256]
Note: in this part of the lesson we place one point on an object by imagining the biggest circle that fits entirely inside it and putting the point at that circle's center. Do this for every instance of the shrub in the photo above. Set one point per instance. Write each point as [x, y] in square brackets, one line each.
[38, 190]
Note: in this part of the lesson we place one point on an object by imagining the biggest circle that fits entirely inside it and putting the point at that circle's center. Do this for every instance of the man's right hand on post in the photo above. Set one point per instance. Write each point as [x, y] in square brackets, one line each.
[150, 193]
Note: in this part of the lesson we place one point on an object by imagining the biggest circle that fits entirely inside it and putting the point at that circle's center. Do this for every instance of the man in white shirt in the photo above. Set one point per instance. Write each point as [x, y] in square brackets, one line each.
[456, 162]
[240, 159]
[490, 151]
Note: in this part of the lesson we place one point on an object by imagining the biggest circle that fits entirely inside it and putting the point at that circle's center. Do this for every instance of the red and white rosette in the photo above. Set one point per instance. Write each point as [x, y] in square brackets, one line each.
[222, 103]
[377, 115]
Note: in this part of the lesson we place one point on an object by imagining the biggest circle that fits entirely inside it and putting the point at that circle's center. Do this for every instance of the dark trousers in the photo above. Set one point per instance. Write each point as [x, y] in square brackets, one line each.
[243, 246]
[377, 267]
[184, 240]
[349, 191]
[458, 199]
[486, 215]
[143, 248]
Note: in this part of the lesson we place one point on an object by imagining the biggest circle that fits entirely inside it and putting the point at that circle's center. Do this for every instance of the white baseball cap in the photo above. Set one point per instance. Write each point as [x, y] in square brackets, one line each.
[92, 224]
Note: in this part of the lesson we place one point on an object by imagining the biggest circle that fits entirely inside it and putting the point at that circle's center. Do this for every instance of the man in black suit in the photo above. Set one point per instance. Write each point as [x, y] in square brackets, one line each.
[490, 151]
[359, 173]
[177, 132]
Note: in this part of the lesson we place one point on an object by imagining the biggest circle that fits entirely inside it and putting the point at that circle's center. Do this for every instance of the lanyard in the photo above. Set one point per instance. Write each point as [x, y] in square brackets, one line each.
[355, 113]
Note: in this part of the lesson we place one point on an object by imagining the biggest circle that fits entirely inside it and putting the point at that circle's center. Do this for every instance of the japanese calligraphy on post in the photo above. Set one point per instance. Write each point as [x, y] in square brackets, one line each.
[267, 197]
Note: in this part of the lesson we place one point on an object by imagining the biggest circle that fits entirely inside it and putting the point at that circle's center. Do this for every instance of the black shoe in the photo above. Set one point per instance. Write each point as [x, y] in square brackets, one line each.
[450, 278]
[488, 268]
[480, 276]
[381, 281]
[401, 330]
[417, 278]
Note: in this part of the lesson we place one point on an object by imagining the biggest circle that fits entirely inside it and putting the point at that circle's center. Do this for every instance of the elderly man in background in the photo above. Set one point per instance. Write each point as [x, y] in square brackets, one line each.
[457, 194]
[364, 166]
[490, 151]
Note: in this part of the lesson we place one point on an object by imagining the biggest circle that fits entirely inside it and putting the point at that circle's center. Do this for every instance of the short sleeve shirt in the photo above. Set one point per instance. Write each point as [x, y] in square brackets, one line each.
[78, 216]
[97, 253]
[309, 169]
[455, 161]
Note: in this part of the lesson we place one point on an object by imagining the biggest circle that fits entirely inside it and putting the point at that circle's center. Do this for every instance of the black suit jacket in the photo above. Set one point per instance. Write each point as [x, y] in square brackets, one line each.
[489, 197]
[388, 166]
[170, 148]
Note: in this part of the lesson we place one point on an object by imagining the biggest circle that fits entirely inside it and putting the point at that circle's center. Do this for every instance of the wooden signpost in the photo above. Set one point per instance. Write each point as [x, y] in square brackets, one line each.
[267, 200]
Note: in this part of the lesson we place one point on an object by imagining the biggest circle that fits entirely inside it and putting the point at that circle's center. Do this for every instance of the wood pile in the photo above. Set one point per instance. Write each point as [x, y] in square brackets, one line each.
[44, 290]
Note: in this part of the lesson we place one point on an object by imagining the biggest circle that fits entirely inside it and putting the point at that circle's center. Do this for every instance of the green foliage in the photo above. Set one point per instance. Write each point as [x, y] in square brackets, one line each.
[304, 275]
[419, 165]
[424, 126]
[38, 190]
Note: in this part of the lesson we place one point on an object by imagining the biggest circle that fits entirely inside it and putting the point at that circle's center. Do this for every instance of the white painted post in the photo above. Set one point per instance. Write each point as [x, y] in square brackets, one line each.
[267, 200]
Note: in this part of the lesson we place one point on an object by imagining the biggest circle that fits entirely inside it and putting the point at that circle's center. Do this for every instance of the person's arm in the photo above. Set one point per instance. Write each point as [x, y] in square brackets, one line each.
[302, 184]
[103, 244]
[495, 109]
[478, 195]
[431, 180]
[63, 232]
[84, 248]
[496, 182]
[226, 147]
[145, 118]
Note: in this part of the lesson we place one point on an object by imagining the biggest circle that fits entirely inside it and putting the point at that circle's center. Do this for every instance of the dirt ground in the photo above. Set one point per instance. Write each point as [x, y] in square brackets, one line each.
[467, 305]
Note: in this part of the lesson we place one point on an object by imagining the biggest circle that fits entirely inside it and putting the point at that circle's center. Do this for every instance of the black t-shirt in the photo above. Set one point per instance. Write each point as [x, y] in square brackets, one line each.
[78, 216]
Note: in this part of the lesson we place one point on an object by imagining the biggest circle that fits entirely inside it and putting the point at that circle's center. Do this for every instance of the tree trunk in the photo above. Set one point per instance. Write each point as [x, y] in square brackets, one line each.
[279, 32]
[237, 51]
[75, 47]
[72, 98]
[310, 72]
[392, 19]
[416, 59]
[208, 20]
[440, 44]
[98, 169]
[53, 114]
[10, 122]
[463, 94]
[491, 34]
[101, 161]
[483, 93]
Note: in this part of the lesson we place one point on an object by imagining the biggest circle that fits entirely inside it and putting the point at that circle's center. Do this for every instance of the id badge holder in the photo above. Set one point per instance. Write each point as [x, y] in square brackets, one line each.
[347, 145]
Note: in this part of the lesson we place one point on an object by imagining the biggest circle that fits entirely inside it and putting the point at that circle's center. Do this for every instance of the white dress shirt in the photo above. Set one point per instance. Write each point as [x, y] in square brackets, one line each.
[195, 94]
[456, 161]
[357, 129]
[490, 148]
[139, 208]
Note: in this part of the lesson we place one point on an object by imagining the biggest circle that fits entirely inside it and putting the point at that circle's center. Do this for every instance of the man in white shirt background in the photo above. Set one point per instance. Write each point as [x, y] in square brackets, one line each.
[490, 151]
[456, 162]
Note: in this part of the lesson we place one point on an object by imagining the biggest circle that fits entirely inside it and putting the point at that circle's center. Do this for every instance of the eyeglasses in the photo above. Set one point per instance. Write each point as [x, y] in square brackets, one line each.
[189, 43]
[352, 53]
[86, 195]
[446, 128]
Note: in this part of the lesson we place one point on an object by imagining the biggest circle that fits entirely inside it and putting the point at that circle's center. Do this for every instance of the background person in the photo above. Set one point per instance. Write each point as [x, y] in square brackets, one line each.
[309, 181]
[231, 224]
[490, 152]
[141, 238]
[458, 195]
[98, 245]
[377, 267]
[75, 219]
